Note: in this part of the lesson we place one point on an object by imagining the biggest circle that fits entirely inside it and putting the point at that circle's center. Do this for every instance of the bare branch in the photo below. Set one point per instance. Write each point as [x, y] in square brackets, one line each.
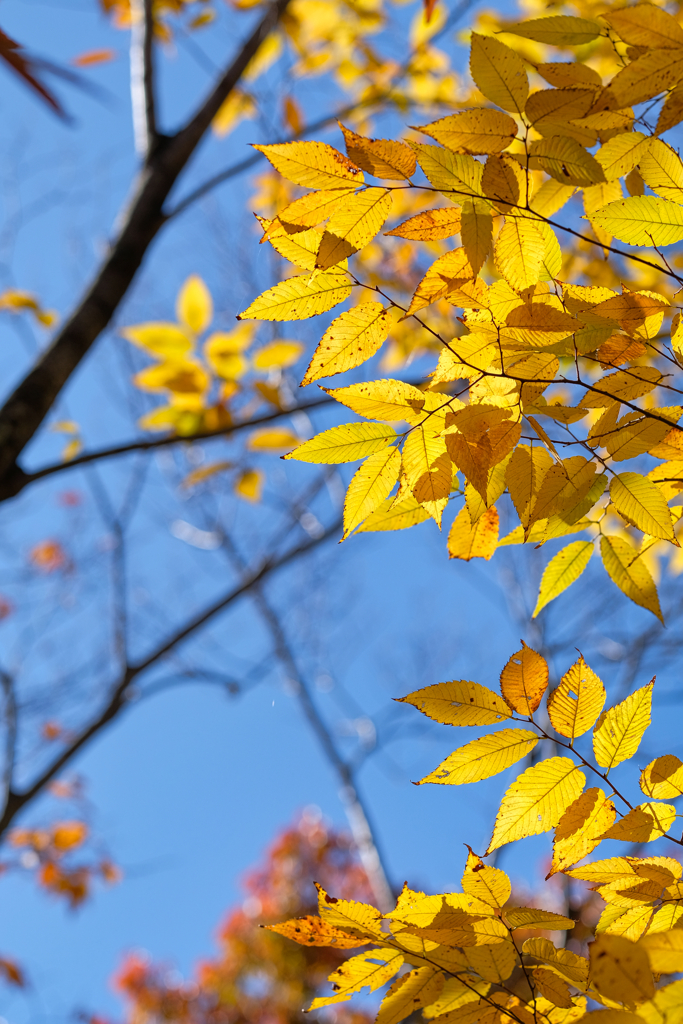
[142, 77]
[10, 711]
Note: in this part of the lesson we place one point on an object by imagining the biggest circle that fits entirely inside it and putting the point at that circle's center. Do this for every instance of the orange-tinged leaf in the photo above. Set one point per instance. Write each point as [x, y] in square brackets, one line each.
[482, 758]
[349, 340]
[313, 931]
[536, 800]
[618, 732]
[382, 158]
[524, 680]
[459, 703]
[467, 540]
[645, 77]
[620, 970]
[498, 72]
[91, 57]
[493, 962]
[348, 443]
[312, 164]
[476, 131]
[445, 275]
[476, 231]
[574, 706]
[573, 968]
[430, 226]
[663, 778]
[581, 828]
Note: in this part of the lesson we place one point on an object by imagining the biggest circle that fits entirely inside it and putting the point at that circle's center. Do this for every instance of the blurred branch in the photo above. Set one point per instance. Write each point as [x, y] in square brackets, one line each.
[10, 710]
[119, 695]
[26, 408]
[142, 77]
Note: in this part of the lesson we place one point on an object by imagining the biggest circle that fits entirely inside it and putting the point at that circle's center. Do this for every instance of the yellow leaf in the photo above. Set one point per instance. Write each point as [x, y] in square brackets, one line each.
[239, 106]
[645, 24]
[361, 918]
[667, 1005]
[552, 987]
[519, 252]
[313, 208]
[645, 77]
[455, 992]
[567, 161]
[369, 487]
[473, 131]
[556, 30]
[671, 112]
[538, 324]
[536, 800]
[494, 963]
[395, 515]
[198, 476]
[312, 931]
[312, 164]
[531, 917]
[554, 112]
[644, 823]
[459, 703]
[349, 340]
[663, 778]
[581, 828]
[409, 993]
[428, 469]
[165, 340]
[300, 248]
[380, 157]
[621, 561]
[665, 951]
[277, 354]
[618, 732]
[621, 154]
[564, 75]
[272, 439]
[476, 230]
[662, 169]
[642, 503]
[249, 485]
[223, 351]
[469, 540]
[298, 298]
[643, 220]
[348, 443]
[573, 968]
[353, 224]
[562, 570]
[485, 883]
[574, 706]
[360, 971]
[624, 385]
[504, 181]
[498, 72]
[445, 275]
[620, 970]
[180, 377]
[391, 400]
[429, 226]
[482, 758]
[613, 1017]
[194, 307]
[524, 680]
[523, 477]
[454, 174]
[551, 197]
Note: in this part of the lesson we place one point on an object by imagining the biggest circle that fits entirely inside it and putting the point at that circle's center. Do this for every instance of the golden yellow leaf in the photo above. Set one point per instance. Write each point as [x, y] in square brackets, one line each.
[372, 968]
[536, 800]
[671, 112]
[389, 399]
[581, 828]
[624, 385]
[621, 154]
[557, 30]
[667, 1005]
[198, 476]
[168, 341]
[494, 963]
[444, 276]
[621, 561]
[662, 170]
[504, 181]
[574, 706]
[430, 226]
[538, 324]
[641, 503]
[482, 758]
[382, 158]
[562, 570]
[300, 247]
[312, 164]
[643, 824]
[370, 486]
[645, 24]
[563, 75]
[519, 252]
[315, 207]
[194, 307]
[645, 77]
[298, 298]
[551, 197]
[567, 161]
[395, 515]
[312, 931]
[454, 174]
[456, 992]
[552, 987]
[353, 224]
[663, 778]
[498, 72]
[485, 883]
[665, 951]
[473, 131]
[272, 439]
[476, 231]
[459, 703]
[643, 220]
[618, 732]
[249, 485]
[349, 340]
[467, 540]
[620, 970]
[348, 443]
[351, 915]
[523, 477]
[409, 993]
[532, 917]
[573, 968]
[524, 680]
[180, 377]
[277, 354]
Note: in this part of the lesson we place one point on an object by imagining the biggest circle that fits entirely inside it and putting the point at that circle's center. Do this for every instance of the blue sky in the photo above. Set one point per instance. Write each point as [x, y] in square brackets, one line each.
[191, 785]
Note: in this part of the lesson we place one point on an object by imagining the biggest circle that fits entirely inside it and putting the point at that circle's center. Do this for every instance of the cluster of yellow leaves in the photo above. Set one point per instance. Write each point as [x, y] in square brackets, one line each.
[200, 388]
[494, 416]
[471, 956]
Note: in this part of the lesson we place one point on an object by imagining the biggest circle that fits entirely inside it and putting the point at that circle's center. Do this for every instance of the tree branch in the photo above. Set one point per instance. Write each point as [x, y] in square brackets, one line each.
[25, 409]
[119, 695]
[142, 77]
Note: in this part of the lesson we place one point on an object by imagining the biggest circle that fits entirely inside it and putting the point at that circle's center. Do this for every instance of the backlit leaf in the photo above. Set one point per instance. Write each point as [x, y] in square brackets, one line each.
[409, 993]
[391, 400]
[168, 341]
[536, 800]
[643, 220]
[494, 963]
[618, 732]
[349, 340]
[194, 306]
[573, 968]
[631, 575]
[519, 252]
[469, 540]
[360, 971]
[313, 931]
[482, 758]
[348, 443]
[645, 25]
[621, 154]
[430, 226]
[620, 970]
[665, 951]
[444, 276]
[663, 778]
[459, 703]
[641, 502]
[298, 298]
[486, 883]
[552, 987]
[498, 72]
[662, 170]
[454, 174]
[643, 824]
[581, 828]
[382, 158]
[473, 131]
[312, 164]
[369, 487]
[353, 224]
[562, 570]
[395, 515]
[567, 161]
[557, 30]
[574, 706]
[524, 680]
[532, 917]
